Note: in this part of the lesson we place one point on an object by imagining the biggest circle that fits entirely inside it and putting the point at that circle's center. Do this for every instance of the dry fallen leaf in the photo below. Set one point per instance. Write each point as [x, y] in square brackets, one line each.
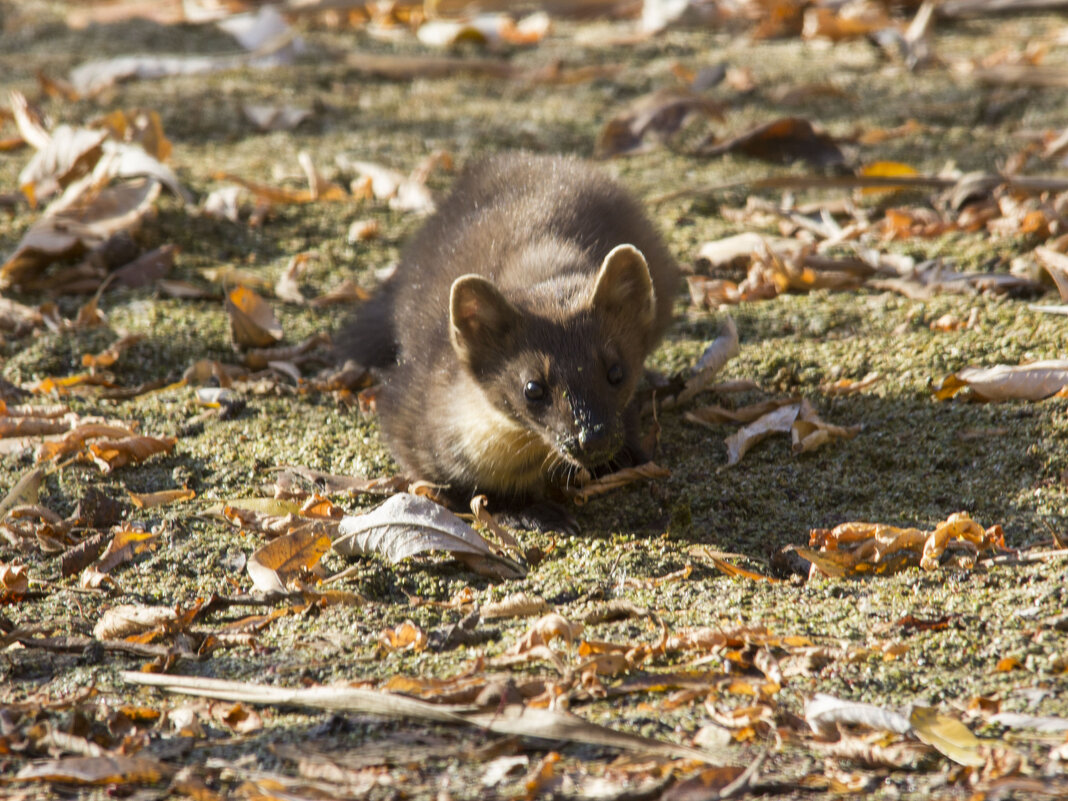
[151, 500]
[407, 524]
[75, 229]
[283, 558]
[947, 735]
[657, 115]
[804, 425]
[14, 579]
[96, 770]
[111, 454]
[108, 357]
[252, 321]
[860, 548]
[613, 481]
[126, 543]
[127, 619]
[518, 604]
[405, 637]
[1034, 381]
[783, 140]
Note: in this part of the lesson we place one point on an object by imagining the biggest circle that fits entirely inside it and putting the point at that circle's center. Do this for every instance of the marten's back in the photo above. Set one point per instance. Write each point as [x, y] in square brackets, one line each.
[508, 204]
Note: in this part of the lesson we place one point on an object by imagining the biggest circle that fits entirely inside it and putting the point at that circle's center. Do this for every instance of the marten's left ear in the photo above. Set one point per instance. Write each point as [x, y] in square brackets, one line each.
[624, 287]
[481, 319]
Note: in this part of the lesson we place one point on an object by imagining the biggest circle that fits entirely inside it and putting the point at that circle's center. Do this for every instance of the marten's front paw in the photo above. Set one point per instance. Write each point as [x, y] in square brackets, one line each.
[541, 516]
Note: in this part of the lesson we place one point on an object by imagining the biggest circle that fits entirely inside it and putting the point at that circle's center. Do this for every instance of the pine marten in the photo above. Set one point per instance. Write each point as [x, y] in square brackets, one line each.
[513, 333]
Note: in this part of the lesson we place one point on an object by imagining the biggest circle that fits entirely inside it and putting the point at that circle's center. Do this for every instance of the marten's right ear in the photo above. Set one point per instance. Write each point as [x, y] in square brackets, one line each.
[480, 318]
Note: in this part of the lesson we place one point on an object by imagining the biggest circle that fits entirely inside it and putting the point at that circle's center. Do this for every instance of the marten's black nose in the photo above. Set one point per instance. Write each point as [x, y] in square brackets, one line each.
[595, 439]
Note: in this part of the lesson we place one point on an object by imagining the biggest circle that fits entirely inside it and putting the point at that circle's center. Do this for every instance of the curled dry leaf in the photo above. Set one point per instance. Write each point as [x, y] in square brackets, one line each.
[362, 231]
[348, 291]
[151, 500]
[96, 770]
[79, 227]
[825, 713]
[783, 140]
[146, 269]
[518, 604]
[546, 629]
[127, 619]
[76, 438]
[717, 415]
[406, 637]
[111, 454]
[25, 491]
[657, 115]
[404, 193]
[69, 154]
[737, 251]
[127, 543]
[283, 558]
[1034, 381]
[620, 478]
[487, 29]
[848, 386]
[806, 429]
[947, 735]
[14, 579]
[856, 20]
[409, 524]
[252, 321]
[108, 357]
[853, 548]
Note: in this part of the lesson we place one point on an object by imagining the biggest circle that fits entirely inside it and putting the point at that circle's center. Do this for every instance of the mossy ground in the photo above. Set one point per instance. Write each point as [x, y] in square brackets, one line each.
[910, 466]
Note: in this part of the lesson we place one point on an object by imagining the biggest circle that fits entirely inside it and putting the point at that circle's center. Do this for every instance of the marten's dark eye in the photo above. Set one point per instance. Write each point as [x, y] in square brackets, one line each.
[615, 374]
[534, 391]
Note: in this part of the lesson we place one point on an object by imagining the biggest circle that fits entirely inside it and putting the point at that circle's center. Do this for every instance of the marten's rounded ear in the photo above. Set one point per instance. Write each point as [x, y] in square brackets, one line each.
[624, 286]
[480, 317]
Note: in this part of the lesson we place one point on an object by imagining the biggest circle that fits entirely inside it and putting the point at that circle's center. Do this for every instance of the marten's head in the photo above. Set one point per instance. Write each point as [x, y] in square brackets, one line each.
[562, 361]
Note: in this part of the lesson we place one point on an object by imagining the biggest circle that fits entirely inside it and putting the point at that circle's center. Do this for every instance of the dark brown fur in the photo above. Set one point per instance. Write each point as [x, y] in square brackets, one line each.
[527, 236]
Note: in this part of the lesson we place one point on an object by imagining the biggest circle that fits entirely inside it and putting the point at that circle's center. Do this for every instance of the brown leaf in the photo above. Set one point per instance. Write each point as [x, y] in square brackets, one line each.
[1056, 264]
[111, 454]
[827, 23]
[127, 543]
[76, 438]
[518, 604]
[348, 291]
[620, 478]
[948, 735]
[274, 564]
[1034, 381]
[69, 154]
[783, 140]
[406, 637]
[14, 579]
[82, 226]
[146, 269]
[125, 620]
[252, 321]
[101, 770]
[237, 717]
[31, 426]
[150, 500]
[657, 115]
[76, 559]
[108, 357]
[716, 415]
[546, 629]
